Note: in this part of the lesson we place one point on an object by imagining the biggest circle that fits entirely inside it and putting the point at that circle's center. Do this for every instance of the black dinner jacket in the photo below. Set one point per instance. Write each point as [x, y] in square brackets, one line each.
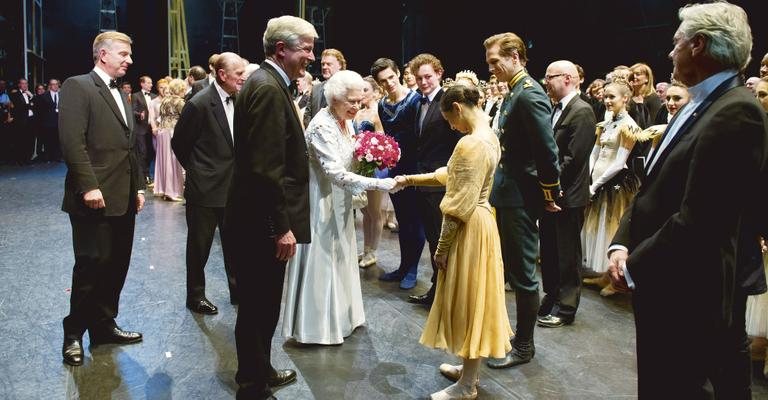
[20, 110]
[270, 187]
[689, 220]
[316, 102]
[203, 145]
[197, 86]
[139, 104]
[435, 142]
[45, 110]
[575, 137]
[97, 145]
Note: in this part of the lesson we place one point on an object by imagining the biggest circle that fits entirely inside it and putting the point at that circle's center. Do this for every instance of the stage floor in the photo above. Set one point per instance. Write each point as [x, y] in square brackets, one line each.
[189, 356]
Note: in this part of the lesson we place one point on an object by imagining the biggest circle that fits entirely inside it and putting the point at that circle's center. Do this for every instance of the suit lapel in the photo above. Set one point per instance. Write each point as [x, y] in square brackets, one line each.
[221, 116]
[107, 95]
[281, 82]
[689, 123]
[434, 105]
[564, 114]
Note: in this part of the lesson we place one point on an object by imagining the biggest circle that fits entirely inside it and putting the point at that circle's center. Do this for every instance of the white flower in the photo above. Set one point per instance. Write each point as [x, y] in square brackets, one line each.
[369, 157]
[374, 141]
[380, 147]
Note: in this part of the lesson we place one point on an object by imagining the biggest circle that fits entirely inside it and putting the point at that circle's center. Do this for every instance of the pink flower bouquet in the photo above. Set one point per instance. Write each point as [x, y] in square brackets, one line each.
[375, 150]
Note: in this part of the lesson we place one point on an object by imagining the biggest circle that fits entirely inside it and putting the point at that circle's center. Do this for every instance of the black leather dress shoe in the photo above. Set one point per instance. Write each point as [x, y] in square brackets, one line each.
[520, 354]
[424, 299]
[281, 377]
[73, 351]
[114, 335]
[553, 321]
[203, 306]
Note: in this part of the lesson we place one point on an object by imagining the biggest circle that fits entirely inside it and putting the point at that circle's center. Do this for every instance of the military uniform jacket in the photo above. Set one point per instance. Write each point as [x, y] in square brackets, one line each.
[528, 172]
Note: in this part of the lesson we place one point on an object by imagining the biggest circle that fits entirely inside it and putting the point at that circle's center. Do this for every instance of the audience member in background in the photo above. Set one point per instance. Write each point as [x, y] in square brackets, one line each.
[142, 114]
[751, 82]
[645, 102]
[169, 176]
[676, 96]
[154, 111]
[409, 80]
[46, 110]
[331, 62]
[201, 84]
[196, 73]
[22, 140]
[661, 90]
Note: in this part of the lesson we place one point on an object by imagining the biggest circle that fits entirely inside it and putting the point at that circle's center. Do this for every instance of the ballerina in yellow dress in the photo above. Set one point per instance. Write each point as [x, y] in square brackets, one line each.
[469, 315]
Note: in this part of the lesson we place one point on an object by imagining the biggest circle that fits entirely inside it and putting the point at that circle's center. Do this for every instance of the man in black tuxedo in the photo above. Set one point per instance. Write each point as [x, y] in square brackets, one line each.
[690, 229]
[203, 144]
[560, 233]
[142, 129]
[268, 207]
[22, 139]
[46, 110]
[435, 144]
[201, 84]
[103, 192]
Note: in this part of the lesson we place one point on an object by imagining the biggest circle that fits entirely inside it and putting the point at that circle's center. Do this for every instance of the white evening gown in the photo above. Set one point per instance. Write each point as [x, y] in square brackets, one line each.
[323, 302]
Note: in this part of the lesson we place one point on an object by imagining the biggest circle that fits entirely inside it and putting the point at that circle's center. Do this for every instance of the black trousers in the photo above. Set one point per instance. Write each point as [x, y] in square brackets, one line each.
[432, 219]
[141, 153]
[519, 246]
[260, 279]
[411, 230]
[102, 248]
[560, 244]
[677, 355]
[51, 149]
[201, 226]
[23, 141]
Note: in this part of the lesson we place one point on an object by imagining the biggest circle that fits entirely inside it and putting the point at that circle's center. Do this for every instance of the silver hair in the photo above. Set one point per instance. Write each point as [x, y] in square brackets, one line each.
[288, 29]
[726, 27]
[337, 86]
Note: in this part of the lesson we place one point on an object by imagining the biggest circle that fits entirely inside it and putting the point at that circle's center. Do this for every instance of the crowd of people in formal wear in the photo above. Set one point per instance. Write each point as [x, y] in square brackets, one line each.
[629, 184]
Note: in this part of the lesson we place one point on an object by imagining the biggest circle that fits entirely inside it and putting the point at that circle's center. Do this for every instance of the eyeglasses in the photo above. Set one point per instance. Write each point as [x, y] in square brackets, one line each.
[550, 77]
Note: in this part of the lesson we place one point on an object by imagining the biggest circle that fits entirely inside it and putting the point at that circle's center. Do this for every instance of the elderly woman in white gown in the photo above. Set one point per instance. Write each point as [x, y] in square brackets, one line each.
[323, 302]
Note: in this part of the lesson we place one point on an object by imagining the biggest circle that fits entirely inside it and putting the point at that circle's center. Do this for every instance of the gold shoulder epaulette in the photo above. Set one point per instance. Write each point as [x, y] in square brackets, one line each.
[632, 132]
[600, 128]
[652, 133]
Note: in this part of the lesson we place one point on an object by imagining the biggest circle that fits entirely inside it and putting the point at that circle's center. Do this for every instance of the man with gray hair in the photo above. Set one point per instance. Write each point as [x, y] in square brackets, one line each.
[268, 207]
[103, 191]
[692, 229]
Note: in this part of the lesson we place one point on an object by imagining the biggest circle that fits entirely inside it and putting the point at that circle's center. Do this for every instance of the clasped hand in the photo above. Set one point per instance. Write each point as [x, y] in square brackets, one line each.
[616, 264]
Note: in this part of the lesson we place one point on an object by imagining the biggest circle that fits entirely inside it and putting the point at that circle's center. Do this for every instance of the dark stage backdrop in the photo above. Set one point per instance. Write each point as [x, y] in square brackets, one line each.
[596, 34]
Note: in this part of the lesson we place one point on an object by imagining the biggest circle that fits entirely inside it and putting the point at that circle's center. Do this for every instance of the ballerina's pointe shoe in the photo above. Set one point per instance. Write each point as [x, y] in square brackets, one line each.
[601, 281]
[452, 372]
[368, 259]
[456, 392]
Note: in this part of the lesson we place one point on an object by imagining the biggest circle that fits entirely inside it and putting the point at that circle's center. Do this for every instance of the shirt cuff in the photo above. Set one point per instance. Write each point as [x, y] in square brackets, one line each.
[627, 277]
[140, 192]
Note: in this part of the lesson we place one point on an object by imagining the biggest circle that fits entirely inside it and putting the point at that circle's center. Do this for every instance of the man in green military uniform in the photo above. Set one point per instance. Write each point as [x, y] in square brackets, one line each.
[525, 184]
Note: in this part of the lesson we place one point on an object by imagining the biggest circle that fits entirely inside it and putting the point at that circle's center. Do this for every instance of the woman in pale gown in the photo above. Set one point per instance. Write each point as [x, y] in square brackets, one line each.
[612, 184]
[367, 119]
[323, 301]
[169, 176]
[469, 315]
[154, 121]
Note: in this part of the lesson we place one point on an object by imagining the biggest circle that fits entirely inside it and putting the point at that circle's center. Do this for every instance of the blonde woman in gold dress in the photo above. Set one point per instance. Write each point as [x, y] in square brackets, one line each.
[469, 315]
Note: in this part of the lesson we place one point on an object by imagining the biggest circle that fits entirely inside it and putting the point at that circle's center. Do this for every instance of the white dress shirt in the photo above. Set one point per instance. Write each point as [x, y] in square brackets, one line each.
[115, 93]
[563, 103]
[229, 108]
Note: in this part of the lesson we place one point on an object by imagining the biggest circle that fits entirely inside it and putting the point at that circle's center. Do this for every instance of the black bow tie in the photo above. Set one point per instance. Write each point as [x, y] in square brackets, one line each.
[230, 98]
[424, 100]
[146, 93]
[112, 84]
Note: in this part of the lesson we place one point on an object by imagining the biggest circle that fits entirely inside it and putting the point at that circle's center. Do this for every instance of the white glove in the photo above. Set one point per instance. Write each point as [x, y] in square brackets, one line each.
[386, 184]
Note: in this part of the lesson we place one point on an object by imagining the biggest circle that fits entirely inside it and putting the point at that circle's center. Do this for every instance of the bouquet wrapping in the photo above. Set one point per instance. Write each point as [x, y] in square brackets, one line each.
[375, 150]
